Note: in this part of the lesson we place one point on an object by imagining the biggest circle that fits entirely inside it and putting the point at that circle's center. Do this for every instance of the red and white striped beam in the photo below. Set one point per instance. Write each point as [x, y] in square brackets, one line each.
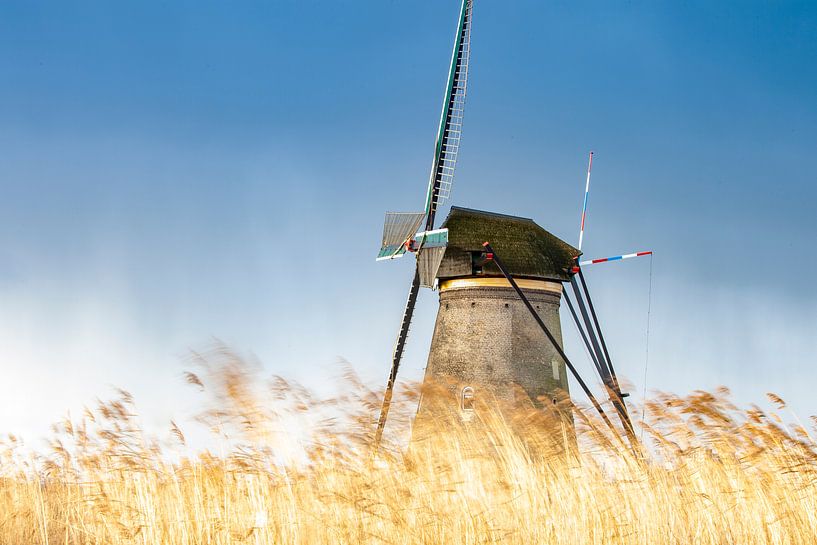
[614, 258]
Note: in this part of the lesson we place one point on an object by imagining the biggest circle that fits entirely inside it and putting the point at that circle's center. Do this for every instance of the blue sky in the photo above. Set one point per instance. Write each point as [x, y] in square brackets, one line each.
[173, 172]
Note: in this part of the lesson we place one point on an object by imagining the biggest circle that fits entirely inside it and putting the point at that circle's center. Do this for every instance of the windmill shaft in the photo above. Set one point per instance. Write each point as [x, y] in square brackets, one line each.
[397, 355]
[549, 335]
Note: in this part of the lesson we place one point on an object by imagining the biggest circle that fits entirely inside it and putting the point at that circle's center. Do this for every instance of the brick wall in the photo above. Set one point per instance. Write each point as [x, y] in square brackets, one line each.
[486, 339]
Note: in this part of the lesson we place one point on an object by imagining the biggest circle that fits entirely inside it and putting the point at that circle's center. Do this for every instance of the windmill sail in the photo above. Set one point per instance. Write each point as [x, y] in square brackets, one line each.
[439, 185]
[432, 250]
[448, 137]
[428, 262]
[397, 229]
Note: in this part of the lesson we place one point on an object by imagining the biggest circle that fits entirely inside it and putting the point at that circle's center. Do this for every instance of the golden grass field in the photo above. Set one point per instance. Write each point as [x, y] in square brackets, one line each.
[708, 473]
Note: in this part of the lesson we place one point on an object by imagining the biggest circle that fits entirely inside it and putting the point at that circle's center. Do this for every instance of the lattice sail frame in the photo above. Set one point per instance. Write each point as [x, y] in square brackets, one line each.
[450, 131]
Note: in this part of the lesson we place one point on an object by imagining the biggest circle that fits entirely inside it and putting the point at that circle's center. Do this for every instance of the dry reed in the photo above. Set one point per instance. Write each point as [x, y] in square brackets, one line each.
[708, 473]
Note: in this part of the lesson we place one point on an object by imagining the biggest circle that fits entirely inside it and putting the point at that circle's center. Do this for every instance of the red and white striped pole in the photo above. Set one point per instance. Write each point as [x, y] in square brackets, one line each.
[586, 194]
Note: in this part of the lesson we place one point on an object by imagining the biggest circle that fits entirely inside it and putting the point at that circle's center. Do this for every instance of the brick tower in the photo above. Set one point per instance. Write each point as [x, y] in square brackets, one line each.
[485, 340]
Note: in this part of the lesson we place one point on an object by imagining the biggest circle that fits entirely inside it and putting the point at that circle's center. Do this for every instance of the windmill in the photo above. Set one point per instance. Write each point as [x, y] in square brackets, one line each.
[485, 345]
[399, 231]
[484, 338]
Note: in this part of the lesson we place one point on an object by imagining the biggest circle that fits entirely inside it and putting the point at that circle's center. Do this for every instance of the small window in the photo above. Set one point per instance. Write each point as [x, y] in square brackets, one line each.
[477, 262]
[555, 366]
[467, 399]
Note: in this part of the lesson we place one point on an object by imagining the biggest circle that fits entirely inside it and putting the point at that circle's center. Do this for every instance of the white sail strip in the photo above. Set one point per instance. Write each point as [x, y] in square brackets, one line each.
[428, 263]
[400, 226]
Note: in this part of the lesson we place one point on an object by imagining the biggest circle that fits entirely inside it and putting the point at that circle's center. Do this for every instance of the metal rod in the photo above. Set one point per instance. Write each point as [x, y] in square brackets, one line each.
[604, 370]
[492, 255]
[582, 333]
[397, 355]
[609, 379]
[598, 329]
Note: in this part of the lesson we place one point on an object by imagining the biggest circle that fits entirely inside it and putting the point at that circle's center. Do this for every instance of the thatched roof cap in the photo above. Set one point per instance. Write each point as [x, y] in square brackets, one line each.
[527, 250]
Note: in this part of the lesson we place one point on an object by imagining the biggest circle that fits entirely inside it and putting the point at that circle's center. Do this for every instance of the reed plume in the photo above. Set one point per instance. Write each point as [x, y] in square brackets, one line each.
[295, 468]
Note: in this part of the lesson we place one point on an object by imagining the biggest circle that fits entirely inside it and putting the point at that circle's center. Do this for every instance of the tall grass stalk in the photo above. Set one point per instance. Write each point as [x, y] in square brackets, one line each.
[710, 473]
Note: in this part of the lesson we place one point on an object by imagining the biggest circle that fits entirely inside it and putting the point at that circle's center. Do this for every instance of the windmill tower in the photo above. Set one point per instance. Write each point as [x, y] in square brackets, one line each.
[498, 328]
[485, 342]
